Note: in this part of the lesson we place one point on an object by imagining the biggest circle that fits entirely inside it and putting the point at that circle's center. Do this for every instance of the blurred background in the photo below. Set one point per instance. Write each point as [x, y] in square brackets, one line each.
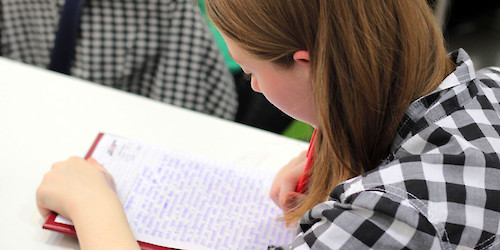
[473, 26]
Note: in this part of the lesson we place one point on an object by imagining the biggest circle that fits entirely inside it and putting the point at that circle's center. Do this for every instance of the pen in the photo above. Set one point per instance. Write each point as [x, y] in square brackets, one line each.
[304, 178]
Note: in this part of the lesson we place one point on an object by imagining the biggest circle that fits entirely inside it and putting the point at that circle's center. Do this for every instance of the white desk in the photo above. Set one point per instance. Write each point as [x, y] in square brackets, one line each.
[47, 117]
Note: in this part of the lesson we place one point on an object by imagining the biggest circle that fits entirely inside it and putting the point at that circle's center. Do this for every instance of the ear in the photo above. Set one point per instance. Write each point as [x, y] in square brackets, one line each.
[301, 56]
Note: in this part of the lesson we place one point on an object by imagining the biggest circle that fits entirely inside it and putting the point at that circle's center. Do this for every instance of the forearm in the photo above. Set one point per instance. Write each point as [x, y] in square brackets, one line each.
[103, 227]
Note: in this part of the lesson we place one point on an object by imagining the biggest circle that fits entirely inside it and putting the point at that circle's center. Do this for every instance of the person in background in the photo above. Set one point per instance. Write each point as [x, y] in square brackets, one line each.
[406, 151]
[158, 49]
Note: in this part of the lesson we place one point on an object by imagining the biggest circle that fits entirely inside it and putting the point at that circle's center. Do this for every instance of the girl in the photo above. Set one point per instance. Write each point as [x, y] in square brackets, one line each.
[407, 146]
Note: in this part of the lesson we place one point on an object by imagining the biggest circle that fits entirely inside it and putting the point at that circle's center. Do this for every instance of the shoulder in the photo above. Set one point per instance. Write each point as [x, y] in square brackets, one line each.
[463, 120]
[416, 202]
[440, 190]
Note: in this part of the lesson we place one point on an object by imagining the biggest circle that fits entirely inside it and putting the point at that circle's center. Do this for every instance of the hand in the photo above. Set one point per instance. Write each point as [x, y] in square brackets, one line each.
[83, 191]
[285, 182]
[73, 184]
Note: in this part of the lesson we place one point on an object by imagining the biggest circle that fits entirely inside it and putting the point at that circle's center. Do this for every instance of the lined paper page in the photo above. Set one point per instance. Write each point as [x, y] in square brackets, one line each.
[182, 201]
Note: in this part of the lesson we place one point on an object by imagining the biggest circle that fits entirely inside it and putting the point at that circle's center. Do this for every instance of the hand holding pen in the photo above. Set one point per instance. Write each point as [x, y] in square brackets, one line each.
[290, 183]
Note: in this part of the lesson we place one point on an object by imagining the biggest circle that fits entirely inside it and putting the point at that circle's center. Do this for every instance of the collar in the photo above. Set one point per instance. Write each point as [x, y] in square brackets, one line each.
[412, 122]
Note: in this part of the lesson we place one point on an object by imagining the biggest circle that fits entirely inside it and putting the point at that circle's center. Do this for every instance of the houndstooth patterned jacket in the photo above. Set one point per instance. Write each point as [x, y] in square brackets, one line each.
[159, 49]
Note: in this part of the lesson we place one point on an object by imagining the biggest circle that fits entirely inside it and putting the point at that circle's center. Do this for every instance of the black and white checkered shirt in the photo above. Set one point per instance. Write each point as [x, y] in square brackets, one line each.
[440, 187]
[157, 48]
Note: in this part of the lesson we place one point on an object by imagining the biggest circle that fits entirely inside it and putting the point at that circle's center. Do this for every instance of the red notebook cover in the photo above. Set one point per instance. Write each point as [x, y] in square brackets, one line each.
[51, 224]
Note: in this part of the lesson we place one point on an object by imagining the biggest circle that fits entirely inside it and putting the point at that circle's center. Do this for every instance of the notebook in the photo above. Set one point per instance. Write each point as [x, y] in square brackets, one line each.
[178, 200]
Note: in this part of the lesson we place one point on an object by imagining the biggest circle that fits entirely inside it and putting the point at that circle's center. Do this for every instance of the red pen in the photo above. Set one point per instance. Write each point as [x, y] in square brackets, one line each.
[302, 184]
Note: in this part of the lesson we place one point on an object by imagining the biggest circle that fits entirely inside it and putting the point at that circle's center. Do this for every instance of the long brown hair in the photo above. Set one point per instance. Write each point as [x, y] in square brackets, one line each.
[369, 61]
